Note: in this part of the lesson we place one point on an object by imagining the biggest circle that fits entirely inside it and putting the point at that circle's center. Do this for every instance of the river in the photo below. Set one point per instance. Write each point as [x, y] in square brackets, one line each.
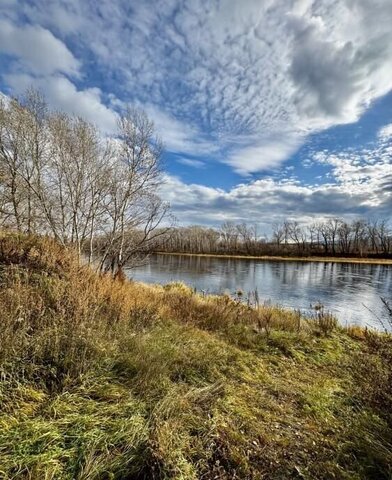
[350, 291]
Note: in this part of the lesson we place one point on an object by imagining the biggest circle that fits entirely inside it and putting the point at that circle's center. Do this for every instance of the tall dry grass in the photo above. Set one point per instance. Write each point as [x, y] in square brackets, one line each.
[103, 379]
[59, 318]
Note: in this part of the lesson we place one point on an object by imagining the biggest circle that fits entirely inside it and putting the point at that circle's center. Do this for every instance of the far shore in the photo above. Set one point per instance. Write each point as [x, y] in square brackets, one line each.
[369, 261]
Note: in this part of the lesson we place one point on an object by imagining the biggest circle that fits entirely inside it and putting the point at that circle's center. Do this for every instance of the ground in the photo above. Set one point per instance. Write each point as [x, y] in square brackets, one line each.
[104, 379]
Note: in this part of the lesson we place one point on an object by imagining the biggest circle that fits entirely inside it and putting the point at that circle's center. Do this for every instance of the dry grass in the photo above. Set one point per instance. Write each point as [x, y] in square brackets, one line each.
[102, 379]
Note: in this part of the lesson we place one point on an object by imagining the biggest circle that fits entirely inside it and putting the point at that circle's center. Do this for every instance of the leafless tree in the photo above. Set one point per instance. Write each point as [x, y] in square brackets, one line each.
[58, 176]
[12, 133]
[229, 236]
[278, 233]
[314, 235]
[345, 237]
[298, 235]
[330, 237]
[134, 175]
[247, 235]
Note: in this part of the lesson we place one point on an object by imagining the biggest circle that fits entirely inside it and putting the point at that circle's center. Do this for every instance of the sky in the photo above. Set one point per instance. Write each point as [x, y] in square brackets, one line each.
[268, 109]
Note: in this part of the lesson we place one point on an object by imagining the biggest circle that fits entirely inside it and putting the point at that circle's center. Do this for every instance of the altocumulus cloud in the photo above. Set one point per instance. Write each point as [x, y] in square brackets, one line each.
[242, 73]
[241, 83]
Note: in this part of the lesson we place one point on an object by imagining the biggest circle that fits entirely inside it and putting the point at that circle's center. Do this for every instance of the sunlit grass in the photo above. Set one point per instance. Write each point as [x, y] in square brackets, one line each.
[102, 379]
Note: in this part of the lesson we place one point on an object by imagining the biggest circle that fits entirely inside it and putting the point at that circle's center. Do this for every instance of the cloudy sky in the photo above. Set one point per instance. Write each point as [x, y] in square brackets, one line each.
[268, 109]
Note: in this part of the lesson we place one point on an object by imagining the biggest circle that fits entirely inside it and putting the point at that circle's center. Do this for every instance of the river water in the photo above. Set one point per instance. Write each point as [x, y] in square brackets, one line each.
[350, 291]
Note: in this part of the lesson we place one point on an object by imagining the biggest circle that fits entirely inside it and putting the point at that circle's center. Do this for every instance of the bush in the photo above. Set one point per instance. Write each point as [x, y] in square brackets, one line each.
[325, 321]
[373, 369]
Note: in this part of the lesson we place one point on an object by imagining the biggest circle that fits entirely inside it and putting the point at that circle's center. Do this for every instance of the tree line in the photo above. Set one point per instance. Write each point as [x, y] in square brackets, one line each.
[60, 176]
[333, 237]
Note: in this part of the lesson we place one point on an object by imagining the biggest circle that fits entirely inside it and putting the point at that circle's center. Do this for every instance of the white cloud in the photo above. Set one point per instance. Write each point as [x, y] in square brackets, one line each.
[62, 94]
[264, 155]
[249, 79]
[190, 162]
[264, 202]
[179, 137]
[222, 71]
[37, 49]
[366, 173]
[385, 132]
[341, 59]
[360, 185]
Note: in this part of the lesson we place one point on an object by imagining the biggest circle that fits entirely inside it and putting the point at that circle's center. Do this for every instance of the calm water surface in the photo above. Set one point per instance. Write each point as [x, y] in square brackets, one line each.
[350, 291]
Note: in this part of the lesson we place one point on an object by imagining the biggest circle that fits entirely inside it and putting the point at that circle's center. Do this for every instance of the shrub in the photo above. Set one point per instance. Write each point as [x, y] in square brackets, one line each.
[373, 369]
[325, 321]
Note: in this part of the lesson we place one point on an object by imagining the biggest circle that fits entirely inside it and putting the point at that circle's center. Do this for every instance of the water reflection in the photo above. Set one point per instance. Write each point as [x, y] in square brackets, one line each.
[349, 290]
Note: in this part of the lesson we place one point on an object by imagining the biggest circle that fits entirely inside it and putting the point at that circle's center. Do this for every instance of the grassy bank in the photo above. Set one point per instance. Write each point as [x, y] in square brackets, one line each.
[108, 380]
[370, 261]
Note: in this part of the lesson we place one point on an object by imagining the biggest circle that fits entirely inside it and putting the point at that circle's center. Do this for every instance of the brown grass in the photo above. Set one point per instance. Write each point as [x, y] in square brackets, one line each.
[115, 379]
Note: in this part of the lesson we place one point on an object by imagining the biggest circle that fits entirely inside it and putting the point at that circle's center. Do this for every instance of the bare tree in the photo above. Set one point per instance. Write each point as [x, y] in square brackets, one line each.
[76, 184]
[345, 237]
[298, 236]
[11, 157]
[59, 177]
[334, 237]
[384, 235]
[359, 229]
[333, 228]
[278, 233]
[247, 236]
[324, 232]
[229, 236]
[314, 235]
[134, 175]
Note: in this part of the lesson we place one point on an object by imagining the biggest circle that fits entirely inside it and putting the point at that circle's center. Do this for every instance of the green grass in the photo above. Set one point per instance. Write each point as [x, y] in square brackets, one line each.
[108, 380]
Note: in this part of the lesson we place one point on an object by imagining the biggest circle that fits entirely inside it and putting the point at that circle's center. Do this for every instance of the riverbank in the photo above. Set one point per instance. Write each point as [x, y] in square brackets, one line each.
[370, 261]
[104, 379]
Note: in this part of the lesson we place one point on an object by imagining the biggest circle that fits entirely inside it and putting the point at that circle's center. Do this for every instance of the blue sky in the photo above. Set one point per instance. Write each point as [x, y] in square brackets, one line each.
[268, 109]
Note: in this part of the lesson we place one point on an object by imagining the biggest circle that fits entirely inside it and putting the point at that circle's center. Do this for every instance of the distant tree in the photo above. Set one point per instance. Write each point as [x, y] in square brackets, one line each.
[298, 235]
[278, 233]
